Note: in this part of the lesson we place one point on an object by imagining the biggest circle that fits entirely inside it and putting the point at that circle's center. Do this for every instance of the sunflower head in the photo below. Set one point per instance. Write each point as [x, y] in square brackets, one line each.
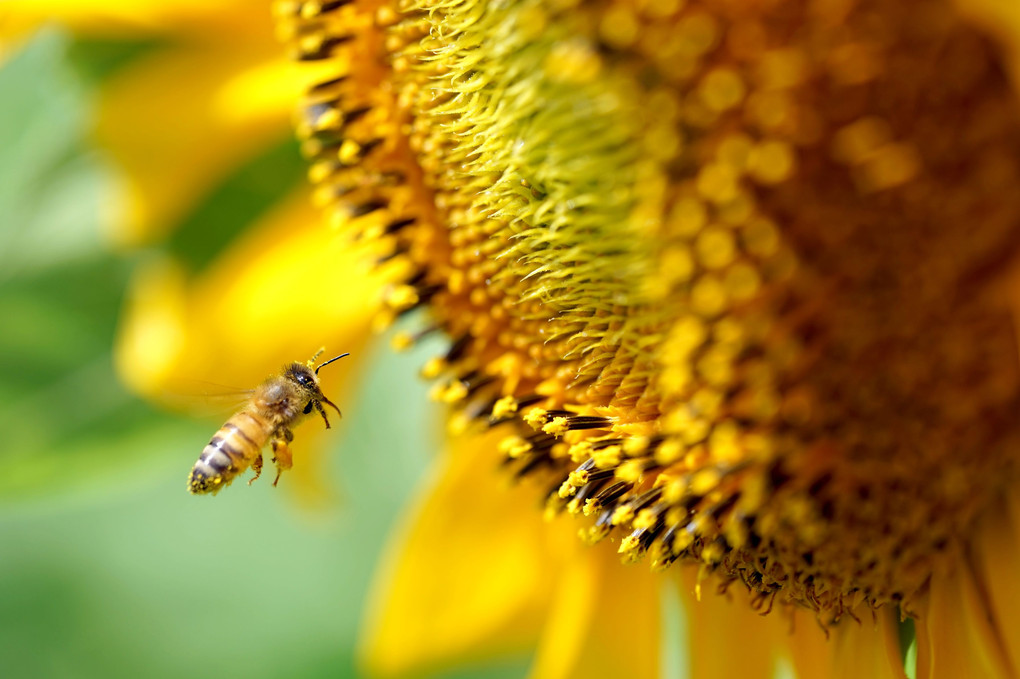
[730, 276]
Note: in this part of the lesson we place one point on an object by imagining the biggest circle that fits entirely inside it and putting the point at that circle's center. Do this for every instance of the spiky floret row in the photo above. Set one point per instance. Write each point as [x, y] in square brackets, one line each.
[694, 268]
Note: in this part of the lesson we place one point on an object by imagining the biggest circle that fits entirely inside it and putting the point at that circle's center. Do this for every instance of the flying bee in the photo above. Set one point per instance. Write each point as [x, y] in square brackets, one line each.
[275, 406]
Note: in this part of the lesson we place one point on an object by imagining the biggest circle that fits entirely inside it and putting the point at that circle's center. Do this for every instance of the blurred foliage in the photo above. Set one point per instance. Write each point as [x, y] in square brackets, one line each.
[59, 287]
[108, 567]
[237, 202]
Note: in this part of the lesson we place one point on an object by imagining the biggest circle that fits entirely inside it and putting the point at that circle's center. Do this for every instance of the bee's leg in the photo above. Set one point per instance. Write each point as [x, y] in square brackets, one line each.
[281, 454]
[256, 464]
[318, 406]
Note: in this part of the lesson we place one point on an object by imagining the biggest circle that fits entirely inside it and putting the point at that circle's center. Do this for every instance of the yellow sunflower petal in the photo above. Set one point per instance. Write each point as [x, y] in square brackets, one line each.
[715, 621]
[126, 18]
[604, 620]
[956, 636]
[152, 336]
[997, 562]
[267, 89]
[271, 298]
[171, 154]
[869, 648]
[466, 578]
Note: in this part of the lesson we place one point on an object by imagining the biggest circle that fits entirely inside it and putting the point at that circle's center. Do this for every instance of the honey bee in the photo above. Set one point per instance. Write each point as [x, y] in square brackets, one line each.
[275, 406]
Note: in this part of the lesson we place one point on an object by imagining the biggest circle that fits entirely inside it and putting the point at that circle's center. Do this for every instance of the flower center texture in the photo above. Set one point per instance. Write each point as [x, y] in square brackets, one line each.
[730, 275]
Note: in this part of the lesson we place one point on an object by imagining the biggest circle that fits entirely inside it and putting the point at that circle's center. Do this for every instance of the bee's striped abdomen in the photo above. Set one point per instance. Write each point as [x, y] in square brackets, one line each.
[229, 452]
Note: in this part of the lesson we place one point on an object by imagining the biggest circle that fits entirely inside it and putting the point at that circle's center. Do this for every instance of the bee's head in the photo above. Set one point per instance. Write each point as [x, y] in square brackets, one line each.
[305, 379]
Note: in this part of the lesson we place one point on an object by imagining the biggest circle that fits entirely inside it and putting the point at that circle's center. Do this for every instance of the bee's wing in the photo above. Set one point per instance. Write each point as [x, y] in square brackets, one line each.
[200, 398]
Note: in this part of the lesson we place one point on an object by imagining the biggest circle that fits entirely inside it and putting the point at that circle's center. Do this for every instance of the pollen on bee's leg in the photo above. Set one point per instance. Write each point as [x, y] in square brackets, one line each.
[281, 457]
[256, 465]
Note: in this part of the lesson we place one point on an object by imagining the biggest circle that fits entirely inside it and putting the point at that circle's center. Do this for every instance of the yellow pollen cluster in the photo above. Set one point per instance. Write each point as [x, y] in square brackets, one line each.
[722, 271]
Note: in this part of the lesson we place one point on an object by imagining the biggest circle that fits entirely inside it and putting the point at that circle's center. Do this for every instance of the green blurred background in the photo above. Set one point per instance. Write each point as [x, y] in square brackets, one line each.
[108, 567]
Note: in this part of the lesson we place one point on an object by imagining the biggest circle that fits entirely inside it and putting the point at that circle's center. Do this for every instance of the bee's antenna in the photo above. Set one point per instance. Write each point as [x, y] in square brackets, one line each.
[337, 358]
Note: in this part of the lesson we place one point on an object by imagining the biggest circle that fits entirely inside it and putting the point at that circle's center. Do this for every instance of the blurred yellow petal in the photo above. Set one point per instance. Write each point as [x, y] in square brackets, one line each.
[466, 578]
[271, 298]
[956, 632]
[852, 649]
[870, 648]
[435, 605]
[153, 332]
[168, 122]
[716, 622]
[267, 89]
[228, 19]
[179, 119]
[604, 620]
[997, 565]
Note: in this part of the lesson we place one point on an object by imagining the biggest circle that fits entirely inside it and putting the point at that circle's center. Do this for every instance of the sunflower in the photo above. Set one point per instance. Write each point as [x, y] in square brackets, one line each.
[730, 283]
[728, 287]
